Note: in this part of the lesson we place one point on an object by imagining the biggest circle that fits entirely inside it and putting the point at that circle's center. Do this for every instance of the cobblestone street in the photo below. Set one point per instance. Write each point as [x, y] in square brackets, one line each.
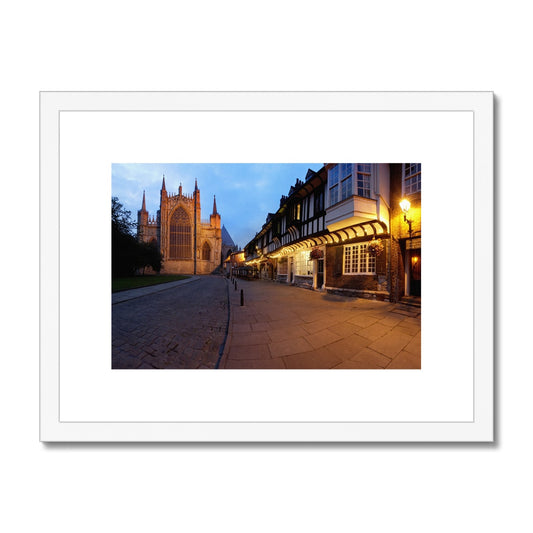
[179, 327]
[278, 327]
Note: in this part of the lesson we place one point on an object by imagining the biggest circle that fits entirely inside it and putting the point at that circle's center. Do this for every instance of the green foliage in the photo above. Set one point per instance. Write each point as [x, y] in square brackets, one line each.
[121, 218]
[149, 256]
[128, 255]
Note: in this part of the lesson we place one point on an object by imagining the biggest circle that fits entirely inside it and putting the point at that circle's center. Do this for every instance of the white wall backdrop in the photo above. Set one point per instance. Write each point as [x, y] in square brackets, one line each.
[240, 45]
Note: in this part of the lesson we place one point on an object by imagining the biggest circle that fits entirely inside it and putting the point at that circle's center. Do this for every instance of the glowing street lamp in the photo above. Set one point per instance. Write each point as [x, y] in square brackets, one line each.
[406, 205]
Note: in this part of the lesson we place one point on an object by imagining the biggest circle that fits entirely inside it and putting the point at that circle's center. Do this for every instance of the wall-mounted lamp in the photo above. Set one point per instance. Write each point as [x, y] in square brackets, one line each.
[406, 205]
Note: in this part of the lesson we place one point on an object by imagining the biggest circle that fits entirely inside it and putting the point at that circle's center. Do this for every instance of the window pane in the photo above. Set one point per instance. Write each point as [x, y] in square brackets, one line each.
[412, 184]
[346, 170]
[347, 260]
[334, 195]
[303, 266]
[358, 261]
[334, 175]
[346, 188]
[180, 235]
[363, 185]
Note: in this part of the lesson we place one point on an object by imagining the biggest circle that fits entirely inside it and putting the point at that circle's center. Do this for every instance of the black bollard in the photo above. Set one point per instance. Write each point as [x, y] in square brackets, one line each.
[242, 297]
[235, 284]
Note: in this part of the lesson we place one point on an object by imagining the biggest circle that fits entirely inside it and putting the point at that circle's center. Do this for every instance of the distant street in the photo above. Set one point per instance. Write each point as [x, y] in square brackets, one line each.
[179, 327]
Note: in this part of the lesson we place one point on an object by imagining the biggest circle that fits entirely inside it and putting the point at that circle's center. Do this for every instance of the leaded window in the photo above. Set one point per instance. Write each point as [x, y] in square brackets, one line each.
[180, 235]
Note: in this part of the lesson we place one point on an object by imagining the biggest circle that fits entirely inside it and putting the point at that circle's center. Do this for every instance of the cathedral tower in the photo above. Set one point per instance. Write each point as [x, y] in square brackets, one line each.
[188, 245]
[215, 217]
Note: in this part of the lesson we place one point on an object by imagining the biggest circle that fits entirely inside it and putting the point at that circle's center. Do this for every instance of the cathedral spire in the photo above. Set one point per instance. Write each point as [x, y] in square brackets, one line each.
[180, 190]
[214, 205]
[195, 184]
[163, 188]
[142, 217]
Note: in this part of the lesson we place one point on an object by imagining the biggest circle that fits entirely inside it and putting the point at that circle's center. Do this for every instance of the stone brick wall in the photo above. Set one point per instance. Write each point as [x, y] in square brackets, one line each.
[397, 274]
[305, 282]
[399, 227]
[187, 267]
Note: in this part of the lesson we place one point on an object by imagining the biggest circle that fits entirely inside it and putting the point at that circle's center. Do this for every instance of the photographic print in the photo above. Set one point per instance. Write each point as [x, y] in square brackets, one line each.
[266, 266]
[258, 274]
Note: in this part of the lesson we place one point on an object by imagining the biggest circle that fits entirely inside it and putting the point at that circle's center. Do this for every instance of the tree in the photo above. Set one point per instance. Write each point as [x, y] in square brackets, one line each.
[149, 256]
[124, 246]
[121, 218]
[128, 254]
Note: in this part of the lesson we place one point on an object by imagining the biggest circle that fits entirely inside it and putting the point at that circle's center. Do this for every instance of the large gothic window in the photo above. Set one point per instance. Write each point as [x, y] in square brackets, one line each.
[180, 235]
[206, 251]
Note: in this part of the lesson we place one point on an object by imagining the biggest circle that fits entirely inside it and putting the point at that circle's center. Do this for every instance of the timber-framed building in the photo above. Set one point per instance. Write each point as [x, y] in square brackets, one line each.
[341, 229]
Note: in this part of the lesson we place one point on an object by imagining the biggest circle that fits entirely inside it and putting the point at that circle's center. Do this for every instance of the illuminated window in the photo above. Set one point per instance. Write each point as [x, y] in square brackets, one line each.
[180, 235]
[412, 173]
[206, 251]
[357, 260]
[303, 266]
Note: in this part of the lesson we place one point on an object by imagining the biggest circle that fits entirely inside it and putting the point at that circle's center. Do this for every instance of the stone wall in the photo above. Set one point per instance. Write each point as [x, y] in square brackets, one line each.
[397, 274]
[305, 282]
[187, 267]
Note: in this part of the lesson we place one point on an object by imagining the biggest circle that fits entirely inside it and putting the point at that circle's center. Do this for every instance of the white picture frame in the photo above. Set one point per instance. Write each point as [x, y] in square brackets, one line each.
[449, 400]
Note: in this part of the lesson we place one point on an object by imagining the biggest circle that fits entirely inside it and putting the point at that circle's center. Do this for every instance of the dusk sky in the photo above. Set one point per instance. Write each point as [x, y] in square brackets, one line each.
[245, 193]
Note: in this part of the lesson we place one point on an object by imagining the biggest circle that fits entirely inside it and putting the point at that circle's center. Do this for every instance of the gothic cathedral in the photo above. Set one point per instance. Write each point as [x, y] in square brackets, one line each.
[188, 244]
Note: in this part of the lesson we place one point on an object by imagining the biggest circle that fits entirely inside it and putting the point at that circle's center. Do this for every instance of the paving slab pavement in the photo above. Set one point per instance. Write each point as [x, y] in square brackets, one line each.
[285, 327]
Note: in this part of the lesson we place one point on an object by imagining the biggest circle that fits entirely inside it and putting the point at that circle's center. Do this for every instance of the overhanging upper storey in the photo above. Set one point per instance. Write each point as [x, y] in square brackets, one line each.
[301, 215]
[357, 193]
